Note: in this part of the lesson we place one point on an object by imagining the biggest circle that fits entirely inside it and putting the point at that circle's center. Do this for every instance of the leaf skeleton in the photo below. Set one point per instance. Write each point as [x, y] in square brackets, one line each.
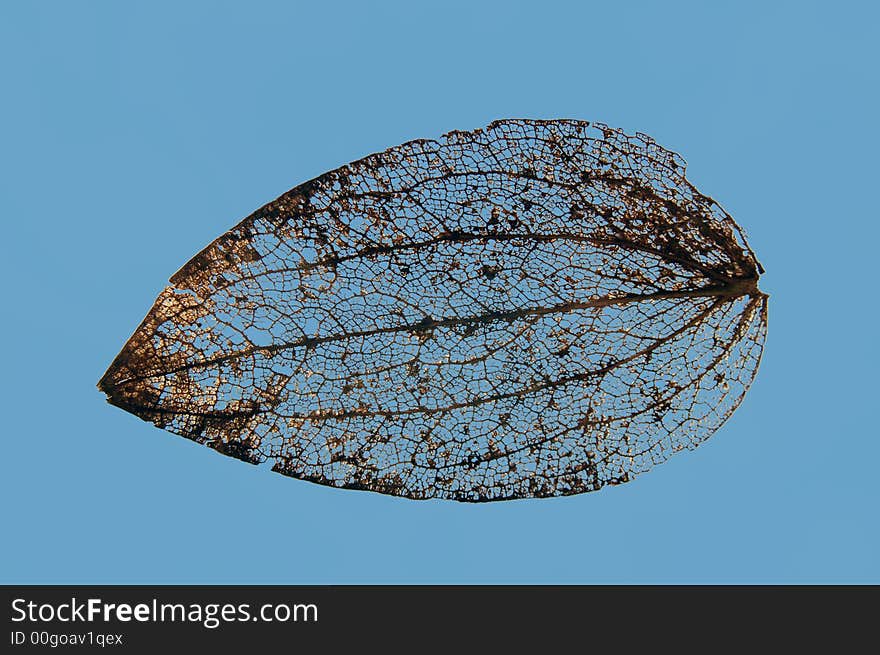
[536, 308]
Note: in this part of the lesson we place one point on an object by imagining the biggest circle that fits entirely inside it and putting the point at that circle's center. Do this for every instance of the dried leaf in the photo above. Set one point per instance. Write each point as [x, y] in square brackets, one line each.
[537, 308]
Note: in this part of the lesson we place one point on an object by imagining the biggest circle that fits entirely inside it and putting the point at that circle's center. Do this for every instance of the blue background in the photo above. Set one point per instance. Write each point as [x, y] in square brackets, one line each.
[135, 133]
